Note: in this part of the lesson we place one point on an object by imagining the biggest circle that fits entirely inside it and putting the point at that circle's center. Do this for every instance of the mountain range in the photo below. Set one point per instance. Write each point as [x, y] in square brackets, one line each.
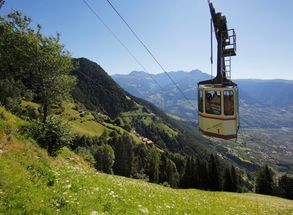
[263, 103]
[266, 113]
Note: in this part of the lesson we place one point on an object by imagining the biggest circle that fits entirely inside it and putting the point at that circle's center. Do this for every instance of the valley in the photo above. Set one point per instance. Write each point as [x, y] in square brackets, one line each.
[73, 141]
[266, 118]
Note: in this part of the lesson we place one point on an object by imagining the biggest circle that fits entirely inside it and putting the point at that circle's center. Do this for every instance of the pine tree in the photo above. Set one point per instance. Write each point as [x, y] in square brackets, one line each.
[140, 161]
[104, 157]
[235, 179]
[203, 175]
[172, 174]
[227, 186]
[123, 156]
[153, 160]
[286, 187]
[214, 175]
[187, 179]
[264, 181]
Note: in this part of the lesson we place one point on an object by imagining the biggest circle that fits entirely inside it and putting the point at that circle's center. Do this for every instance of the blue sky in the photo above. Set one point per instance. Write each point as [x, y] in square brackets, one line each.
[176, 31]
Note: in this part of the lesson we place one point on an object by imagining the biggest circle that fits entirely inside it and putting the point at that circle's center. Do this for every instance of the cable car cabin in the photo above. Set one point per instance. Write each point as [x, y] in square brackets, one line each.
[218, 111]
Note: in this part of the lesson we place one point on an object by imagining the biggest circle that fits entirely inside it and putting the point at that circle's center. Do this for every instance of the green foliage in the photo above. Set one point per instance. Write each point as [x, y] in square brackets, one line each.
[227, 186]
[33, 183]
[171, 173]
[124, 156]
[52, 135]
[190, 176]
[86, 155]
[265, 184]
[32, 63]
[139, 168]
[118, 121]
[51, 80]
[153, 160]
[214, 174]
[285, 187]
[235, 180]
[9, 90]
[104, 156]
[264, 181]
[97, 91]
[231, 180]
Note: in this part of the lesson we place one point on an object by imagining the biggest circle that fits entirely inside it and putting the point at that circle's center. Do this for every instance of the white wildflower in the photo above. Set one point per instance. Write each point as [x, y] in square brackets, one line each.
[144, 210]
[94, 213]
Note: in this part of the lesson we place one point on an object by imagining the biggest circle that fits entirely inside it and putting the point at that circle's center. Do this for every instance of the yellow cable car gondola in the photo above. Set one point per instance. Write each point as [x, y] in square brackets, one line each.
[218, 107]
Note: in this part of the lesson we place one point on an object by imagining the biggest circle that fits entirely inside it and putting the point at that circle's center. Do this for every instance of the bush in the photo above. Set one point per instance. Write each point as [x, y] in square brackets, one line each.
[52, 135]
[86, 155]
[104, 157]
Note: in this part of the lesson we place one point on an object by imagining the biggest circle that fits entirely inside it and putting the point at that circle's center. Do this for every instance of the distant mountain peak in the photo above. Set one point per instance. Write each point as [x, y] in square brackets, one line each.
[137, 72]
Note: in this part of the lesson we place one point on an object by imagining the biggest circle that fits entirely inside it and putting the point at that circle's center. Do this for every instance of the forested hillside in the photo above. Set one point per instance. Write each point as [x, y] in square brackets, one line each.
[74, 103]
[31, 182]
[266, 115]
[97, 91]
[66, 119]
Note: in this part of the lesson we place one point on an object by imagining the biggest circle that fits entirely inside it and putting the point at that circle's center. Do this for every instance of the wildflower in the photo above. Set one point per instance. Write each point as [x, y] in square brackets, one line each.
[144, 210]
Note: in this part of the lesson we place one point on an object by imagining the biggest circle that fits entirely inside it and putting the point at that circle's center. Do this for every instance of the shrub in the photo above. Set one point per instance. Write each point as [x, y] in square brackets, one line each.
[104, 157]
[52, 135]
[86, 155]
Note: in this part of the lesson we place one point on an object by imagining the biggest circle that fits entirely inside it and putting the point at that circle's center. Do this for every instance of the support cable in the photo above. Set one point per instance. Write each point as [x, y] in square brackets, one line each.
[148, 50]
[212, 60]
[120, 42]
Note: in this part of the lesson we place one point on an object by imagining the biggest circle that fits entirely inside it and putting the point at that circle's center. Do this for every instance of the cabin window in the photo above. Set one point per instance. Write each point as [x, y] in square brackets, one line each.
[213, 102]
[200, 101]
[228, 102]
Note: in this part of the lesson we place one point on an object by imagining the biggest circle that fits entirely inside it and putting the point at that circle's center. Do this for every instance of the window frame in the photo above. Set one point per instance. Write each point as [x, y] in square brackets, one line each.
[226, 112]
[209, 102]
[200, 100]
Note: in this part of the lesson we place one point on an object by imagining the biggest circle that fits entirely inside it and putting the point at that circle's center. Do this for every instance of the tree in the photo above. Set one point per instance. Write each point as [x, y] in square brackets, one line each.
[227, 186]
[52, 135]
[172, 174]
[285, 187]
[104, 157]
[52, 83]
[264, 181]
[40, 63]
[16, 39]
[103, 137]
[153, 160]
[235, 179]
[140, 161]
[123, 155]
[203, 174]
[86, 155]
[118, 121]
[214, 175]
[189, 179]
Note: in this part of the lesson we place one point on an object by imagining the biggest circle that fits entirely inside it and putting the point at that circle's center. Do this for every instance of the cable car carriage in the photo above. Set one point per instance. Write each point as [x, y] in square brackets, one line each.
[218, 108]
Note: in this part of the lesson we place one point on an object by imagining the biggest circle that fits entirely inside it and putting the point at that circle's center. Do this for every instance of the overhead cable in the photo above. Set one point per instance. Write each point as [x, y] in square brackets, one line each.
[150, 53]
[120, 42]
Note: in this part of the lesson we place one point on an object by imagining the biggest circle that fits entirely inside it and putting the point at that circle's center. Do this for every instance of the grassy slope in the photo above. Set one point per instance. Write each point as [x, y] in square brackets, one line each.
[33, 183]
[87, 125]
[148, 119]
